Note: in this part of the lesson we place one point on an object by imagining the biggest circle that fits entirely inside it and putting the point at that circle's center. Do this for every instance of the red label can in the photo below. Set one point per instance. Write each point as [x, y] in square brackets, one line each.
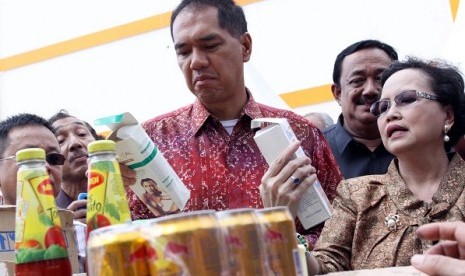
[186, 244]
[117, 250]
[244, 242]
[280, 240]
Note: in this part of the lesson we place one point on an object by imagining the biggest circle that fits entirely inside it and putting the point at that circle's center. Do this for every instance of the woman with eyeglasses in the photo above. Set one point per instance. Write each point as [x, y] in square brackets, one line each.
[421, 115]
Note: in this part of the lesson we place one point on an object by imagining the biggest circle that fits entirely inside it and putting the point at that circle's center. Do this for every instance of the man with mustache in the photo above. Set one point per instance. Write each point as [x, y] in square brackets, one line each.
[355, 139]
[73, 135]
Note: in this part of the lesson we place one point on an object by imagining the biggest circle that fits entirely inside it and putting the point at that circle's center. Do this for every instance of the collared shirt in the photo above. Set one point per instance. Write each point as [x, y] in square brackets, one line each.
[224, 171]
[63, 200]
[354, 158]
[357, 237]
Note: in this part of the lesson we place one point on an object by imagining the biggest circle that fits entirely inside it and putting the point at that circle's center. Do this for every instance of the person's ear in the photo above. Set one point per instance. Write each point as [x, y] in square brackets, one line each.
[450, 117]
[246, 41]
[336, 90]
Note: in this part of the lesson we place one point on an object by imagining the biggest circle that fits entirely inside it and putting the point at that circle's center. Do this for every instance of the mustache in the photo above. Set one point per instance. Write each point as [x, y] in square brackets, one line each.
[366, 100]
[78, 154]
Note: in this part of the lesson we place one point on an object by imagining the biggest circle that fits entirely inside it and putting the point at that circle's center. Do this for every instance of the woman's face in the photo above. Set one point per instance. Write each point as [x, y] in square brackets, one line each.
[149, 187]
[412, 123]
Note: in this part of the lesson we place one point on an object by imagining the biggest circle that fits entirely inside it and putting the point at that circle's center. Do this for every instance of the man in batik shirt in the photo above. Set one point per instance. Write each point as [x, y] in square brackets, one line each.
[210, 143]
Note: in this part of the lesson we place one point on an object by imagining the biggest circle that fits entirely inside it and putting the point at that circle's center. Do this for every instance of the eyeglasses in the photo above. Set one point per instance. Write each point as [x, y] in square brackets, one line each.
[402, 99]
[53, 158]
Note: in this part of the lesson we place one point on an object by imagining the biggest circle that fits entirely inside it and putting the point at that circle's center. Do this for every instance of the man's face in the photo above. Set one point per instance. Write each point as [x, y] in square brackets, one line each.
[22, 138]
[210, 58]
[360, 86]
[73, 137]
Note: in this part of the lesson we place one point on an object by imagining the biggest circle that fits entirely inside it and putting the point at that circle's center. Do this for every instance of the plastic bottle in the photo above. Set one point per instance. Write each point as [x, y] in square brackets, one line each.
[40, 245]
[106, 202]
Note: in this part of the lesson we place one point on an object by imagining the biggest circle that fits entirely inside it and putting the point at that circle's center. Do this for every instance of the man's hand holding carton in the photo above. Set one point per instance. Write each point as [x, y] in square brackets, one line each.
[278, 188]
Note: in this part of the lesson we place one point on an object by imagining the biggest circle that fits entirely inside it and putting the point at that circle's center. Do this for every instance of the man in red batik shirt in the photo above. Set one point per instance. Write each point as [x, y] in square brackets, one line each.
[210, 143]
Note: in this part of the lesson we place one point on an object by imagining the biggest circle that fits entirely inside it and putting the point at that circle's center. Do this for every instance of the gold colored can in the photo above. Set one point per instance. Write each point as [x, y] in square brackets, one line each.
[280, 240]
[186, 244]
[117, 250]
[243, 239]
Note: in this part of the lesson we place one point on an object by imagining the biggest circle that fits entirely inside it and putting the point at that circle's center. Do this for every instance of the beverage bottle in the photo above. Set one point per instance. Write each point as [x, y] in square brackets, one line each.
[40, 245]
[106, 196]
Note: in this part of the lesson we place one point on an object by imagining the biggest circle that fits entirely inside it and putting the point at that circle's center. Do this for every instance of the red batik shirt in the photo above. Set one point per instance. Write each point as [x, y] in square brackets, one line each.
[224, 171]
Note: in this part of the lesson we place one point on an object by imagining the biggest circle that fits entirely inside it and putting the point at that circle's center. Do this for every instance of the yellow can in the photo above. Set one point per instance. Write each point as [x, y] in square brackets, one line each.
[186, 244]
[280, 240]
[117, 250]
[243, 240]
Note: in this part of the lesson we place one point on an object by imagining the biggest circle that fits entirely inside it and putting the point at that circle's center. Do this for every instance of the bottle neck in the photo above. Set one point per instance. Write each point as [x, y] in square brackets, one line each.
[102, 155]
[32, 162]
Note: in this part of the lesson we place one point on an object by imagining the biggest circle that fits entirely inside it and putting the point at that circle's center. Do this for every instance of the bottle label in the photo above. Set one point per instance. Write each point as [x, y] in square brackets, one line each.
[106, 202]
[38, 233]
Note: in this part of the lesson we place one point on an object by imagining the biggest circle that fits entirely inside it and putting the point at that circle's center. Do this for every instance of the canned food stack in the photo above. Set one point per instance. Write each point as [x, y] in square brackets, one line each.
[233, 242]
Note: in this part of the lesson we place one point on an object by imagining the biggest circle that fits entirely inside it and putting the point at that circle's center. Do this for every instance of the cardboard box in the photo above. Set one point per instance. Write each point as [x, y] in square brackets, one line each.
[7, 235]
[135, 149]
[314, 207]
[7, 268]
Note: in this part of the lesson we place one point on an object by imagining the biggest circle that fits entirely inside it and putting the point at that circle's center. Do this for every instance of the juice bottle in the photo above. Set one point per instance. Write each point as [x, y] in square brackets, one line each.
[40, 245]
[106, 197]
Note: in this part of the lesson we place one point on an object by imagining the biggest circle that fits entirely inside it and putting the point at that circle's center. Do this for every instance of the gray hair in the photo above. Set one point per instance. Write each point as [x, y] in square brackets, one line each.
[324, 119]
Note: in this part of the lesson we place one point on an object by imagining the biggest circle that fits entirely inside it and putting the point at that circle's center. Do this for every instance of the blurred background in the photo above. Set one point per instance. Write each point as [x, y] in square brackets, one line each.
[100, 58]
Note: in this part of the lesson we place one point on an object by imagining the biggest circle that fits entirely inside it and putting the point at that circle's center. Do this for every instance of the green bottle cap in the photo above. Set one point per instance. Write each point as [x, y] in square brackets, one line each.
[101, 145]
[29, 154]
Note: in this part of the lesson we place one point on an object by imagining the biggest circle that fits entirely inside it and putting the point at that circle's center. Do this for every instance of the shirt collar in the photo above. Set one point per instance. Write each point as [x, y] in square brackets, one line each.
[200, 114]
[343, 138]
[449, 190]
[251, 108]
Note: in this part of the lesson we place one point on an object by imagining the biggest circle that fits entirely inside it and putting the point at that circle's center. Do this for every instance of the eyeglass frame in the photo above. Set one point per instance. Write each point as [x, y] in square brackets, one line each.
[13, 157]
[419, 95]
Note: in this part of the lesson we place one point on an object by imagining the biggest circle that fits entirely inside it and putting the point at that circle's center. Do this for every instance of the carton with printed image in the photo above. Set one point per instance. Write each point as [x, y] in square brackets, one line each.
[158, 185]
[272, 138]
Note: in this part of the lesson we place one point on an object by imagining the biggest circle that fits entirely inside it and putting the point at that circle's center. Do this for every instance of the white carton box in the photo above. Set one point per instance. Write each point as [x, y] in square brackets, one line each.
[135, 149]
[314, 207]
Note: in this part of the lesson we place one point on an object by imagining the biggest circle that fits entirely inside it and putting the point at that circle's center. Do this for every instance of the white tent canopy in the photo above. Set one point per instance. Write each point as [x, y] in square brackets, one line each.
[295, 43]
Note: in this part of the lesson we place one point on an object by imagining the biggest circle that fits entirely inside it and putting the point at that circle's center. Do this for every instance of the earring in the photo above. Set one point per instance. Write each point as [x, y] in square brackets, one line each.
[446, 137]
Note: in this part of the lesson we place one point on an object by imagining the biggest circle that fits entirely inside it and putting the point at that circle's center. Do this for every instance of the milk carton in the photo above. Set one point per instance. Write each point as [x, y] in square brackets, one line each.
[272, 139]
[135, 149]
